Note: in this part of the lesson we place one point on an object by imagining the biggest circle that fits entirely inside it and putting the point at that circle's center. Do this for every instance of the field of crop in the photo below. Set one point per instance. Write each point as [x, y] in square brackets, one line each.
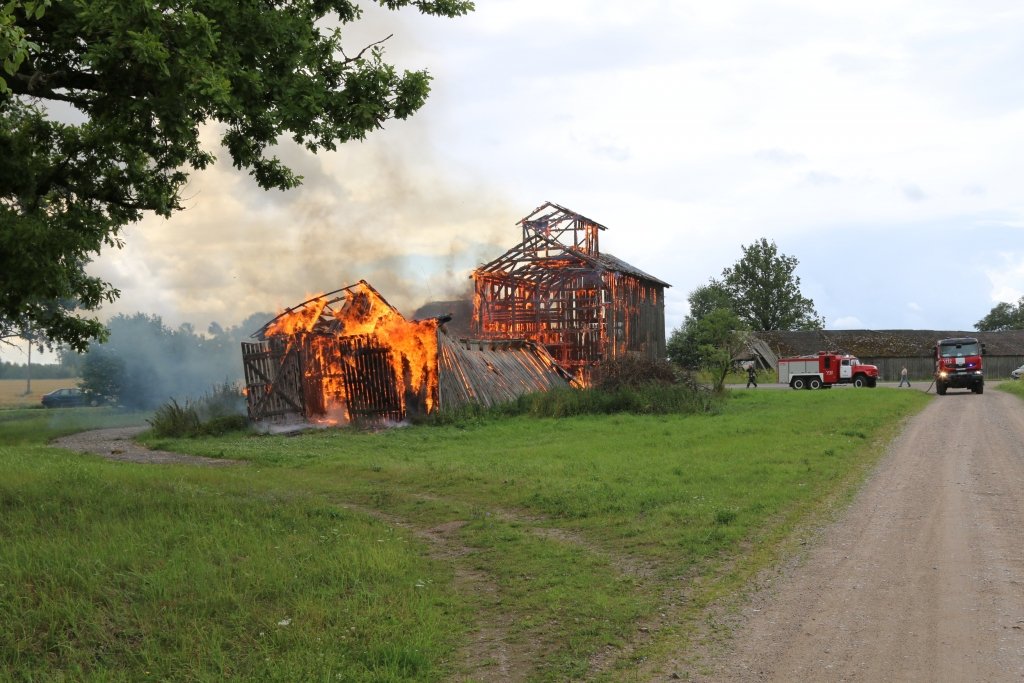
[12, 391]
[584, 548]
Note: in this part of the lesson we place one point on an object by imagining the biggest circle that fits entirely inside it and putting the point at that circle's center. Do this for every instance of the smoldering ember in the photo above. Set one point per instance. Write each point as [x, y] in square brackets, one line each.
[546, 314]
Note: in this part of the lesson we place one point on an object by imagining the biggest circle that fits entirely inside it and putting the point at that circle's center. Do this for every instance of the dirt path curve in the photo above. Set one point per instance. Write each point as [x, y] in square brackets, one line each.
[117, 443]
[922, 579]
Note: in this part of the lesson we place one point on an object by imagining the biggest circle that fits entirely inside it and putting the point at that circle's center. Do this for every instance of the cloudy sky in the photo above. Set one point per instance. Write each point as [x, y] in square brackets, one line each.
[880, 143]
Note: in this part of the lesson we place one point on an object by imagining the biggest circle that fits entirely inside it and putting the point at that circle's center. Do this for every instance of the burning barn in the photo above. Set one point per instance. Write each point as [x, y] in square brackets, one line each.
[557, 288]
[350, 356]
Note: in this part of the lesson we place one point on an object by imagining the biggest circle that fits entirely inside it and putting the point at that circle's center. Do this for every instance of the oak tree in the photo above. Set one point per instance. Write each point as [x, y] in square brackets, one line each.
[765, 290]
[101, 107]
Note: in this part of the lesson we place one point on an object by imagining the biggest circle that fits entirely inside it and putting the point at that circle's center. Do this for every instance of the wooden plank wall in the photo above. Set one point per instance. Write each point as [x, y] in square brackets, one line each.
[273, 380]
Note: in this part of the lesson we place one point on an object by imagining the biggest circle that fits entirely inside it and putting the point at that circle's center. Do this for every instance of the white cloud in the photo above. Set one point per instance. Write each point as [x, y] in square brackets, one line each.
[1007, 278]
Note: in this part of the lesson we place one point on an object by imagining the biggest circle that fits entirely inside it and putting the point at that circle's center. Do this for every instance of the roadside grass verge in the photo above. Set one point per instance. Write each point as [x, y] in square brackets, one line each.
[588, 529]
[1015, 387]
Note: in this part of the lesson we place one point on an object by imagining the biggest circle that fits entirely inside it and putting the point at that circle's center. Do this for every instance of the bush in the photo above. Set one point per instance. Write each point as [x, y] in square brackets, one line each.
[633, 371]
[653, 398]
[218, 412]
[172, 419]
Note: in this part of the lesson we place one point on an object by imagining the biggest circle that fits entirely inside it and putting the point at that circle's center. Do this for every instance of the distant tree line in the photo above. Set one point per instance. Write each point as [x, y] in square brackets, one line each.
[48, 371]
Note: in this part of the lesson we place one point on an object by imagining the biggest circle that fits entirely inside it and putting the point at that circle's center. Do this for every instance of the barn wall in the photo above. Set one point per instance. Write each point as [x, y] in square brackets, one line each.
[581, 318]
[637, 317]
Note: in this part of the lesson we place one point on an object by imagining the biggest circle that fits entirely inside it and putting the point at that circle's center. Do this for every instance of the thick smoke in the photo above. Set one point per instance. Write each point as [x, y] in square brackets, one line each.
[381, 211]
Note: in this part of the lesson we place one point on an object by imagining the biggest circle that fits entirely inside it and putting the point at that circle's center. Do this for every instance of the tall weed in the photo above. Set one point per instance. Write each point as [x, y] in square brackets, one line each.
[218, 412]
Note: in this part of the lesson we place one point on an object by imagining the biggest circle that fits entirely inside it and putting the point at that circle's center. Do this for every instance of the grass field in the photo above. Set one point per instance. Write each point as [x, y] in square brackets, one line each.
[589, 548]
[12, 391]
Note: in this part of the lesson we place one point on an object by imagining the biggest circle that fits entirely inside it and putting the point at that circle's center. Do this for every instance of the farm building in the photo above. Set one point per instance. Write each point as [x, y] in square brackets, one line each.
[557, 288]
[890, 350]
[350, 356]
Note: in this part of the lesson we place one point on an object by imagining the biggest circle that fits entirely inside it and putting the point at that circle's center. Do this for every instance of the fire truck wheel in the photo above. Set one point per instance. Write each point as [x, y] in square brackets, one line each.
[797, 383]
[859, 381]
[815, 383]
[940, 388]
[981, 389]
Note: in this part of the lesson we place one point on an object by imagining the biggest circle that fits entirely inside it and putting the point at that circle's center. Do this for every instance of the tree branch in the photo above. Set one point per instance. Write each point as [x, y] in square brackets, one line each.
[349, 60]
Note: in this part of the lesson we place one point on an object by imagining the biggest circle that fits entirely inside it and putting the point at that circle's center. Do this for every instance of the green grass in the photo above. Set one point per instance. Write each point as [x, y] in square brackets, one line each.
[1011, 386]
[580, 530]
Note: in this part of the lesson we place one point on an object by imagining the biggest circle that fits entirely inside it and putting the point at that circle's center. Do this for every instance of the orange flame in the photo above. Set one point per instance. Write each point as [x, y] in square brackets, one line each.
[358, 344]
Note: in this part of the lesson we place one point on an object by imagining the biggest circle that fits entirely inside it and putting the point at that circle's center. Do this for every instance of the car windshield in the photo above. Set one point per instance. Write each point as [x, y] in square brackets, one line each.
[955, 350]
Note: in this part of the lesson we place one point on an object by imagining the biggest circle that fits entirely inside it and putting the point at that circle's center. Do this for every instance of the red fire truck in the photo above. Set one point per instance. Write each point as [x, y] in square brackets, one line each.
[825, 369]
[958, 365]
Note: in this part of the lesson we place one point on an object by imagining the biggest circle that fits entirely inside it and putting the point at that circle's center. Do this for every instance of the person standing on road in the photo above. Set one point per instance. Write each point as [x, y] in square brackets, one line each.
[751, 377]
[903, 376]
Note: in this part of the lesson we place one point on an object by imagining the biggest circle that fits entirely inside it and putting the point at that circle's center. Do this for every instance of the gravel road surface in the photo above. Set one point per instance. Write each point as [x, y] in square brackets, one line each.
[922, 579]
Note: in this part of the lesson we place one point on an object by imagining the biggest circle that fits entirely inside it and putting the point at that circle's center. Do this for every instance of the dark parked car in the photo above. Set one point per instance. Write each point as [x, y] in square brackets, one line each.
[63, 398]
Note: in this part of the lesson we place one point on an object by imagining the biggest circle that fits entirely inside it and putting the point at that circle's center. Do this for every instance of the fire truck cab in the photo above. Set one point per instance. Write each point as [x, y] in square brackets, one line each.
[958, 365]
[826, 369]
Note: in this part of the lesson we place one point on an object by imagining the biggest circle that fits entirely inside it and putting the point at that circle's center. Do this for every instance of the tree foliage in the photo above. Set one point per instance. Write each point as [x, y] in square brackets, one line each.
[683, 346]
[138, 81]
[709, 343]
[1003, 316]
[765, 290]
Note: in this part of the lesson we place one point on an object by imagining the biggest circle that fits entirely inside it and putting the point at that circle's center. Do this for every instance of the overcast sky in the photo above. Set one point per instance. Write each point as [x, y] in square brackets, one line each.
[880, 143]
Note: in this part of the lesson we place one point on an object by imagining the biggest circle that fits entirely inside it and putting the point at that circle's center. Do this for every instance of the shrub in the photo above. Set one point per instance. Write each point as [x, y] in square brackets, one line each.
[172, 419]
[653, 398]
[218, 412]
[633, 370]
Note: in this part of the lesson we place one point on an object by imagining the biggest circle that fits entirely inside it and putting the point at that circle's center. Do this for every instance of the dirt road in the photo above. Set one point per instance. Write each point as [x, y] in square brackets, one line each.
[922, 579]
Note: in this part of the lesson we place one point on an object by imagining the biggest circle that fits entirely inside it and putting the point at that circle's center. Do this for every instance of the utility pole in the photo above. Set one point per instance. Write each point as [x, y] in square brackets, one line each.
[28, 368]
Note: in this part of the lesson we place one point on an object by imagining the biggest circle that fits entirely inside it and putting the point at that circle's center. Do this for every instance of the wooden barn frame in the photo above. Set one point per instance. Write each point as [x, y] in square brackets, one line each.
[557, 288]
[341, 368]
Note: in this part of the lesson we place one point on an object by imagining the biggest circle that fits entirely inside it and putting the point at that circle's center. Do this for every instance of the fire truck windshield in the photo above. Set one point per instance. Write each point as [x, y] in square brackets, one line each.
[952, 351]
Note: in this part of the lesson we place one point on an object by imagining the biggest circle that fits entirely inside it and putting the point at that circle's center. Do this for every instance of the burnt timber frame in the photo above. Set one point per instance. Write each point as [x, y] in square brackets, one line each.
[556, 288]
[291, 376]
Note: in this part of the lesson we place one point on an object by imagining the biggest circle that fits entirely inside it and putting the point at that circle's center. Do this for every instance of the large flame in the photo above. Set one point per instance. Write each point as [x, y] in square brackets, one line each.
[357, 343]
